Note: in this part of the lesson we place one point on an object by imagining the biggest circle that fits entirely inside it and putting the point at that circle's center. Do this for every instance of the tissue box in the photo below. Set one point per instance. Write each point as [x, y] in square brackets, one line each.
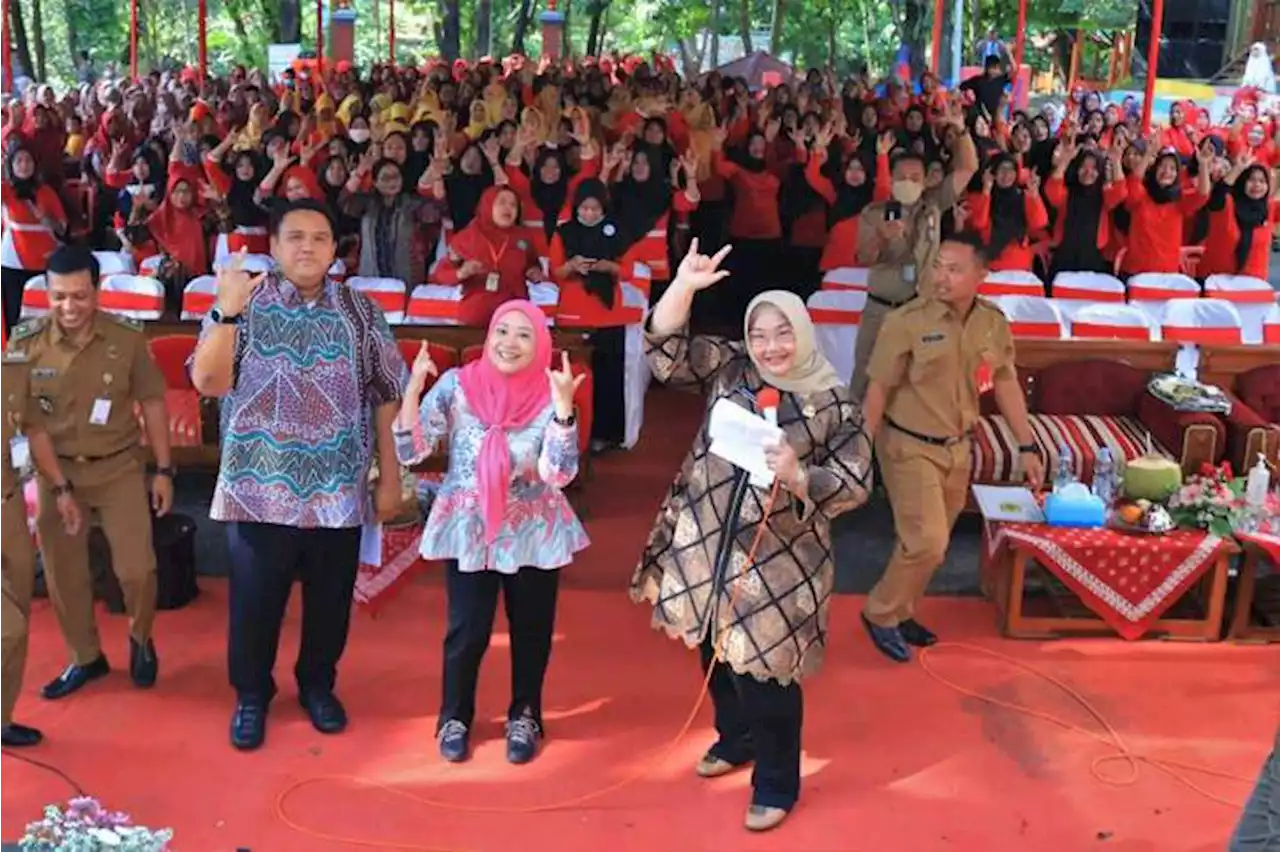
[1070, 508]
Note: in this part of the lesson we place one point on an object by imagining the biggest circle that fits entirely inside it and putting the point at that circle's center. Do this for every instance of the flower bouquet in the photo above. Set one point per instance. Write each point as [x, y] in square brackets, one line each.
[1211, 500]
[86, 826]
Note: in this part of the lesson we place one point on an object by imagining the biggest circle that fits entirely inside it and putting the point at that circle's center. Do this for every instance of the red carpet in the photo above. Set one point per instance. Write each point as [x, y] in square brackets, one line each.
[894, 759]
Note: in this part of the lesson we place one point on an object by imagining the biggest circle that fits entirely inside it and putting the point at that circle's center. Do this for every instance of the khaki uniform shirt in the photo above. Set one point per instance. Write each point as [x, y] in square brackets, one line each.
[934, 364]
[20, 414]
[86, 393]
[904, 266]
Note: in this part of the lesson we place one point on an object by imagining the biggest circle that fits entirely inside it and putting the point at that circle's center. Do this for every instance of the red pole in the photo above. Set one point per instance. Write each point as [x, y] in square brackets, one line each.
[320, 38]
[6, 58]
[1019, 46]
[939, 12]
[1153, 59]
[391, 30]
[202, 46]
[133, 39]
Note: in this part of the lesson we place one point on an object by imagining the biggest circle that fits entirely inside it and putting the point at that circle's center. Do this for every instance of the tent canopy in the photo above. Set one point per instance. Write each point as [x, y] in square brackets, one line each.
[759, 69]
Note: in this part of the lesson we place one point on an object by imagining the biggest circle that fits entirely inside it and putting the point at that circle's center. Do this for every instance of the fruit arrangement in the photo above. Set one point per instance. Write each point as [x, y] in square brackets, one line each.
[1143, 516]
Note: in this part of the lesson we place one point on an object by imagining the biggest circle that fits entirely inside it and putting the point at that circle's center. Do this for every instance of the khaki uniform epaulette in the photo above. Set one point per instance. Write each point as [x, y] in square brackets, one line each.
[27, 330]
[915, 303]
[984, 302]
[128, 322]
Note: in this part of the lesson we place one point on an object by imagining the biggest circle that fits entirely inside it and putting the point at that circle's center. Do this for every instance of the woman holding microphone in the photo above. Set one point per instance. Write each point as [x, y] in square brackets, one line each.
[745, 573]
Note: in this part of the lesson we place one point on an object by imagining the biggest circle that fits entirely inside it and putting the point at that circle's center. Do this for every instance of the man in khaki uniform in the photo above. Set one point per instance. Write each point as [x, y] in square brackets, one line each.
[24, 439]
[88, 368]
[898, 239]
[934, 359]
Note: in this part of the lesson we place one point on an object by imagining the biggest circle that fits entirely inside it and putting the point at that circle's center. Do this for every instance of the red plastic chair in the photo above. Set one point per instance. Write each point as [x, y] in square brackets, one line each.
[445, 357]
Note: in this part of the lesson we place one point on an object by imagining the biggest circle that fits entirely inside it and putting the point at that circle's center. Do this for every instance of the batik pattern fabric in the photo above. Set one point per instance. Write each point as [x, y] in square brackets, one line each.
[766, 616]
[298, 426]
[539, 530]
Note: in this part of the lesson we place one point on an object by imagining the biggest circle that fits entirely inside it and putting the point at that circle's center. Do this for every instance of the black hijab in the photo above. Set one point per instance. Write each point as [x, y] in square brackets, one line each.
[1008, 210]
[549, 197]
[1079, 250]
[601, 241]
[1162, 194]
[639, 205]
[1251, 213]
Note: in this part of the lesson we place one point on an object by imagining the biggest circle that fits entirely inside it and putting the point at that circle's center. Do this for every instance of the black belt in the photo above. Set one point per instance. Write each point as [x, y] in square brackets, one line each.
[926, 439]
[84, 459]
[887, 303]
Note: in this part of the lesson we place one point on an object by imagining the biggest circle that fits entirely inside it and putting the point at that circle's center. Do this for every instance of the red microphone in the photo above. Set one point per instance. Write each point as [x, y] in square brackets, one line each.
[767, 401]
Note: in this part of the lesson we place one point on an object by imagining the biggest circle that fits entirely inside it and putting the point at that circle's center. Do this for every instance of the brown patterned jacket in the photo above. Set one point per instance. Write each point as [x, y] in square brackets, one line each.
[769, 618]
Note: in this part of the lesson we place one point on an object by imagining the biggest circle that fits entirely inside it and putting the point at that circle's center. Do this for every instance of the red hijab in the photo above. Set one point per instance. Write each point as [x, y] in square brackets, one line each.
[179, 233]
[504, 401]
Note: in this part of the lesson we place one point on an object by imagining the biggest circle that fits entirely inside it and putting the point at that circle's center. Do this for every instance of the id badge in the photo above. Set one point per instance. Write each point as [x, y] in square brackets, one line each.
[909, 273]
[101, 412]
[19, 452]
[491, 283]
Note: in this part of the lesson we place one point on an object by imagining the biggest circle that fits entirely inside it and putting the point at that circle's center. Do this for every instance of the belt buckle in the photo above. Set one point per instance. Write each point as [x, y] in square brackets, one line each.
[80, 459]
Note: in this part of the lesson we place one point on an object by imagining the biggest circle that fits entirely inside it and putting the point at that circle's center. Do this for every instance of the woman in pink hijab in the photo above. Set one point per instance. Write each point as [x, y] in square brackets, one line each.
[500, 519]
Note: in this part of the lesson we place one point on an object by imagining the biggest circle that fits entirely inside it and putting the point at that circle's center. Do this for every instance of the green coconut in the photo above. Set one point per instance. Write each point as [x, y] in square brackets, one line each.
[1151, 478]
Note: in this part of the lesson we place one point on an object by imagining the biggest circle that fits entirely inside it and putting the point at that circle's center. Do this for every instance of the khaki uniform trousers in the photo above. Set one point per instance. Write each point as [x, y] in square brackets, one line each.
[868, 330]
[928, 486]
[116, 489]
[19, 558]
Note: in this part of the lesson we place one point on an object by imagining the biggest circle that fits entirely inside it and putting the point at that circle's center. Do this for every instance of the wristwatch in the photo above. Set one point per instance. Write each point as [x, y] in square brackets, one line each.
[222, 319]
[571, 420]
[165, 471]
[1029, 448]
[59, 490]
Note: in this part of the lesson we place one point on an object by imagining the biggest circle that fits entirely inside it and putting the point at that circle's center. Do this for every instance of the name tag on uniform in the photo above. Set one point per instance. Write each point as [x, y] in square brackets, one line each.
[909, 273]
[19, 452]
[933, 337]
[101, 412]
[491, 283]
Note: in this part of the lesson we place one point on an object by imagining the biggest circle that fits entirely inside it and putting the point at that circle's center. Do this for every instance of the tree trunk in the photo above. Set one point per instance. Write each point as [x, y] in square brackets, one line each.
[37, 33]
[290, 21]
[596, 34]
[566, 39]
[833, 23]
[914, 16]
[449, 36]
[18, 32]
[715, 34]
[744, 25]
[483, 28]
[73, 37]
[522, 26]
[775, 36]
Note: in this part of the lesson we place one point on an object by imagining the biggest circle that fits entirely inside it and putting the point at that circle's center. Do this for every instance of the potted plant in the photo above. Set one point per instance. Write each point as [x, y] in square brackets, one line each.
[85, 826]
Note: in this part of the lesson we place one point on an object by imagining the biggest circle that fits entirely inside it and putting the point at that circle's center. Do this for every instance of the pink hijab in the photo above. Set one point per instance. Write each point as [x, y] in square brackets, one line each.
[504, 402]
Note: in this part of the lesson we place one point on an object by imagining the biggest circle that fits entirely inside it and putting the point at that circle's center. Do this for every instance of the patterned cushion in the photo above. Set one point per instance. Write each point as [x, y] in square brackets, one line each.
[995, 451]
[1260, 390]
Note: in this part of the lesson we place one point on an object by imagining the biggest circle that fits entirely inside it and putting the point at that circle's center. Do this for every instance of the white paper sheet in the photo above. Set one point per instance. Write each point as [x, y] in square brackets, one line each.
[371, 544]
[740, 438]
[1007, 503]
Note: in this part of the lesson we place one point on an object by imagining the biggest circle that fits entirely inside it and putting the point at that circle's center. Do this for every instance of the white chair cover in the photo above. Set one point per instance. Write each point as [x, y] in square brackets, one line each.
[845, 278]
[546, 295]
[1011, 282]
[1074, 290]
[636, 374]
[338, 270]
[1112, 322]
[1196, 322]
[1149, 292]
[1034, 316]
[253, 263]
[138, 296]
[114, 263]
[198, 297]
[35, 297]
[1271, 326]
[837, 315]
[1253, 298]
[389, 294]
[434, 304]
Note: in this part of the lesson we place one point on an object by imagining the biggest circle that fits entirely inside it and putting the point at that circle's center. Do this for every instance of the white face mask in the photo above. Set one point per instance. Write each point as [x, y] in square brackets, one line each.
[359, 135]
[907, 192]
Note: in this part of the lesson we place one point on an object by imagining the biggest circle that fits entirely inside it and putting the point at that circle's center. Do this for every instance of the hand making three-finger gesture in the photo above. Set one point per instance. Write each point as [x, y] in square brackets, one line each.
[564, 384]
[697, 271]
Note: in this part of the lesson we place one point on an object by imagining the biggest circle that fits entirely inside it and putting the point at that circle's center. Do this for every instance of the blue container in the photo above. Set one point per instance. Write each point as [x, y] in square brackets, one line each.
[1074, 511]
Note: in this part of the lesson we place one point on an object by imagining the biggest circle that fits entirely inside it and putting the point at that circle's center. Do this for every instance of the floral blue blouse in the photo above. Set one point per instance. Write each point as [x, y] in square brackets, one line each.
[540, 529]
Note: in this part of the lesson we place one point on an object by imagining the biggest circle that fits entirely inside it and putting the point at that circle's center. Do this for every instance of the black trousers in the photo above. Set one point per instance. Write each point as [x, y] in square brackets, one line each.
[608, 376]
[265, 558]
[758, 721]
[12, 282]
[530, 599]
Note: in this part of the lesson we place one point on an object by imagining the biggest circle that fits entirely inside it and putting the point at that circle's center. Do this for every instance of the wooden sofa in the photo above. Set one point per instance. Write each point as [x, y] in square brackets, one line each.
[1091, 393]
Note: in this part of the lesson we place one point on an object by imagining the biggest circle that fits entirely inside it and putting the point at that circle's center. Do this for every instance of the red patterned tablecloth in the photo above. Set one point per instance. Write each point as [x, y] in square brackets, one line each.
[376, 584]
[1268, 542]
[1127, 580]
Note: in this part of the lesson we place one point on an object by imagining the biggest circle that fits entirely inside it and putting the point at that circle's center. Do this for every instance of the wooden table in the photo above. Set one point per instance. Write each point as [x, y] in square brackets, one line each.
[1004, 579]
[1256, 553]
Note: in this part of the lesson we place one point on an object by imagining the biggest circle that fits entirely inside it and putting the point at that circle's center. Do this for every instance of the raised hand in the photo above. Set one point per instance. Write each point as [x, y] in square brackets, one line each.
[234, 286]
[564, 384]
[423, 367]
[697, 271]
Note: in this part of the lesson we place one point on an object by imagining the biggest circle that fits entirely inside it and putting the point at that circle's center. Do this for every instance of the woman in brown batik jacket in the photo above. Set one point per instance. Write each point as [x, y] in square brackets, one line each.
[760, 623]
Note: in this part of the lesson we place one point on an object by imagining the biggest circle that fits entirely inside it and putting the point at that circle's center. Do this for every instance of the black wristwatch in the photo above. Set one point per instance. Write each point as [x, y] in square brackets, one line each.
[59, 490]
[571, 420]
[222, 319]
[165, 471]
[1029, 448]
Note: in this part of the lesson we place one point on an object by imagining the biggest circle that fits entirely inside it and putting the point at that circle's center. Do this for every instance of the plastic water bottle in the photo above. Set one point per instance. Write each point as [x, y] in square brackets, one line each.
[1104, 476]
[1066, 468]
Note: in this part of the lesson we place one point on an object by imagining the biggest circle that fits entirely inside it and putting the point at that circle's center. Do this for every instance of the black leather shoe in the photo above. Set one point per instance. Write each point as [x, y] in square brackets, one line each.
[455, 741]
[14, 735]
[326, 712]
[888, 641]
[523, 735]
[144, 665]
[249, 725]
[915, 633]
[75, 676]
